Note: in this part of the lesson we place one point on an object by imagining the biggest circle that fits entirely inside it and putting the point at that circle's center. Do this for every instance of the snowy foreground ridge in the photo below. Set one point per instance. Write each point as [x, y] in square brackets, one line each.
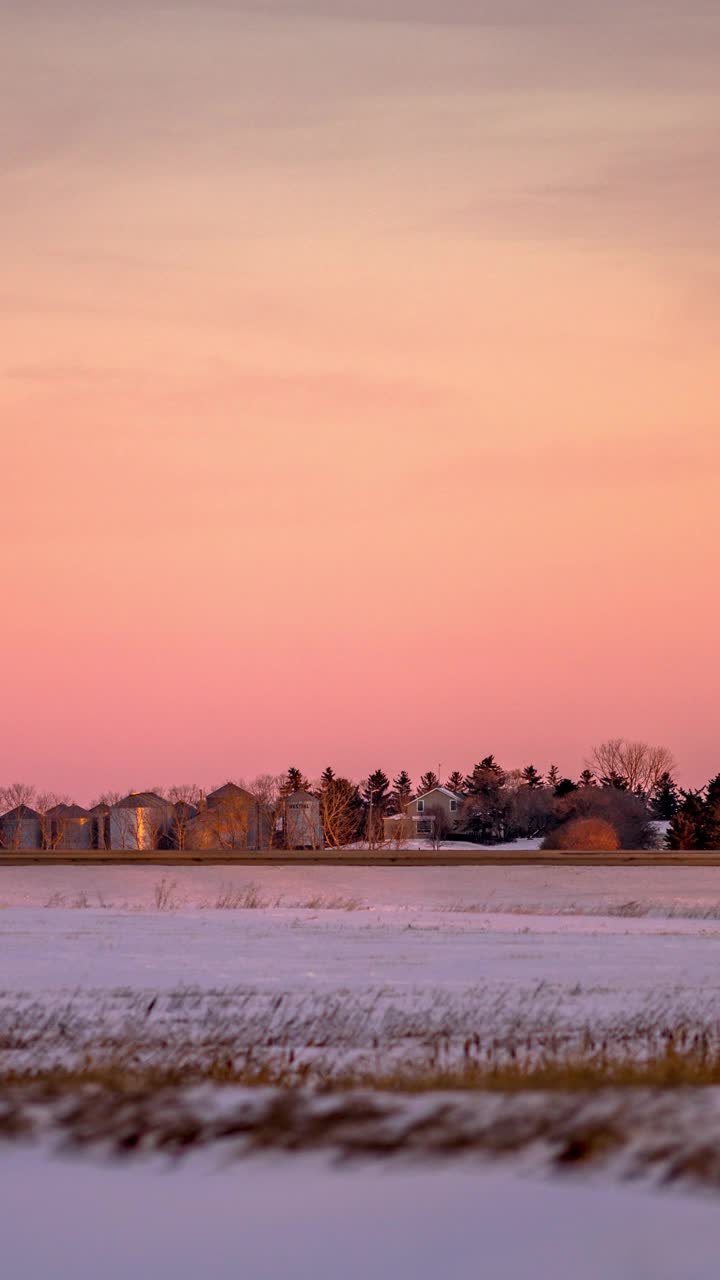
[340, 970]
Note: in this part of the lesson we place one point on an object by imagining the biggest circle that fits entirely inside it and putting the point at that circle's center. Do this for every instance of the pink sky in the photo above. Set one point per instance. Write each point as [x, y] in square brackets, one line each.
[358, 386]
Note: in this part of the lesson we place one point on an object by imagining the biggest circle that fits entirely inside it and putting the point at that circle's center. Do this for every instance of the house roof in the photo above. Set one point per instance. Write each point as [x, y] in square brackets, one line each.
[142, 800]
[101, 807]
[19, 814]
[445, 791]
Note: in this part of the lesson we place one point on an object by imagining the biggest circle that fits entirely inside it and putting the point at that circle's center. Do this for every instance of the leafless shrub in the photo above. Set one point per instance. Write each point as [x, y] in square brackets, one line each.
[245, 898]
[163, 894]
[584, 835]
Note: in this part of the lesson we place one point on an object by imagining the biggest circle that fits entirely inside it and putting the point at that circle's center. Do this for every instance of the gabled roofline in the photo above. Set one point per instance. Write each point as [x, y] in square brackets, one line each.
[443, 790]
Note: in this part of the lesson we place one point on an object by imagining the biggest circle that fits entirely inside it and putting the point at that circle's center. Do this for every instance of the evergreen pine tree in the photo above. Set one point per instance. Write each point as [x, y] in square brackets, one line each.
[553, 776]
[402, 792]
[378, 784]
[486, 806]
[455, 782]
[487, 776]
[565, 787]
[686, 827]
[327, 777]
[376, 798]
[428, 782]
[712, 791]
[665, 800]
[294, 780]
[710, 833]
[614, 780]
[531, 777]
[587, 778]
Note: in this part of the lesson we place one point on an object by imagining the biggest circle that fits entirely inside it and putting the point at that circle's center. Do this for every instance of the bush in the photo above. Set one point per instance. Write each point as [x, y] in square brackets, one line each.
[584, 835]
[626, 813]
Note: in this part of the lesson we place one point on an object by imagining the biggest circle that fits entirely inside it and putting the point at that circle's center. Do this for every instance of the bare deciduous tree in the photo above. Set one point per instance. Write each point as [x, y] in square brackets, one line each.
[638, 763]
[185, 798]
[228, 824]
[340, 807]
[53, 823]
[435, 815]
[267, 789]
[17, 795]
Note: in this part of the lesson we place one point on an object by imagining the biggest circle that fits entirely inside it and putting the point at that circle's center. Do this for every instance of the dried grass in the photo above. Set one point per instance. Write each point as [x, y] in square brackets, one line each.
[242, 898]
[662, 1135]
[631, 910]
[686, 1061]
[163, 895]
[329, 902]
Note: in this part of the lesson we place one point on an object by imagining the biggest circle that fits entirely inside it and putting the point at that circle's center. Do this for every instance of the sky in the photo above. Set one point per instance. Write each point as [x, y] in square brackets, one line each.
[358, 385]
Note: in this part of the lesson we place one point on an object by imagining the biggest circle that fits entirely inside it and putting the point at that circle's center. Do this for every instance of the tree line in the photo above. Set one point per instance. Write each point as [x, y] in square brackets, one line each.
[626, 789]
[626, 797]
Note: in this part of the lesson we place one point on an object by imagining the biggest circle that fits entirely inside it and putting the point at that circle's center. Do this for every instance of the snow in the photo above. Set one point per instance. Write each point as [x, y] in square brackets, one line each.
[268, 1218]
[655, 890]
[356, 966]
[432, 953]
[457, 846]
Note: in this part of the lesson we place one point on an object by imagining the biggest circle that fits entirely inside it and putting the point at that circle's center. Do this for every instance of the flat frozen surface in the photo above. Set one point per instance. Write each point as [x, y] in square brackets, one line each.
[303, 1218]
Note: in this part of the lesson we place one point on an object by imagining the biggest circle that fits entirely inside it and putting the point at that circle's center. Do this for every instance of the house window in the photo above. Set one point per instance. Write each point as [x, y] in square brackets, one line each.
[421, 806]
[453, 806]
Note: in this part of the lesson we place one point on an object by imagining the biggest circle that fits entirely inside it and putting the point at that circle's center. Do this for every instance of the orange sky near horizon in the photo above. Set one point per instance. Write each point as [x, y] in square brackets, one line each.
[358, 386]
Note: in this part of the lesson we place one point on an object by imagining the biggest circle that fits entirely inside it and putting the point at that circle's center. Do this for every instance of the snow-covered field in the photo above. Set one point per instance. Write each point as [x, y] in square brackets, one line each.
[340, 965]
[352, 962]
[653, 890]
[360, 968]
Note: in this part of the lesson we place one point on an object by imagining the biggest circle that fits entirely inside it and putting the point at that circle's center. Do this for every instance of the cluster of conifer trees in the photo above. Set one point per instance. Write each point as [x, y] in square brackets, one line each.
[499, 805]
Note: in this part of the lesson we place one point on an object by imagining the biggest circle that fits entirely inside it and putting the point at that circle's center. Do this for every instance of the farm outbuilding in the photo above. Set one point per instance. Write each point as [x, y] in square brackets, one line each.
[141, 820]
[68, 826]
[21, 828]
[229, 819]
[100, 818]
[302, 824]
